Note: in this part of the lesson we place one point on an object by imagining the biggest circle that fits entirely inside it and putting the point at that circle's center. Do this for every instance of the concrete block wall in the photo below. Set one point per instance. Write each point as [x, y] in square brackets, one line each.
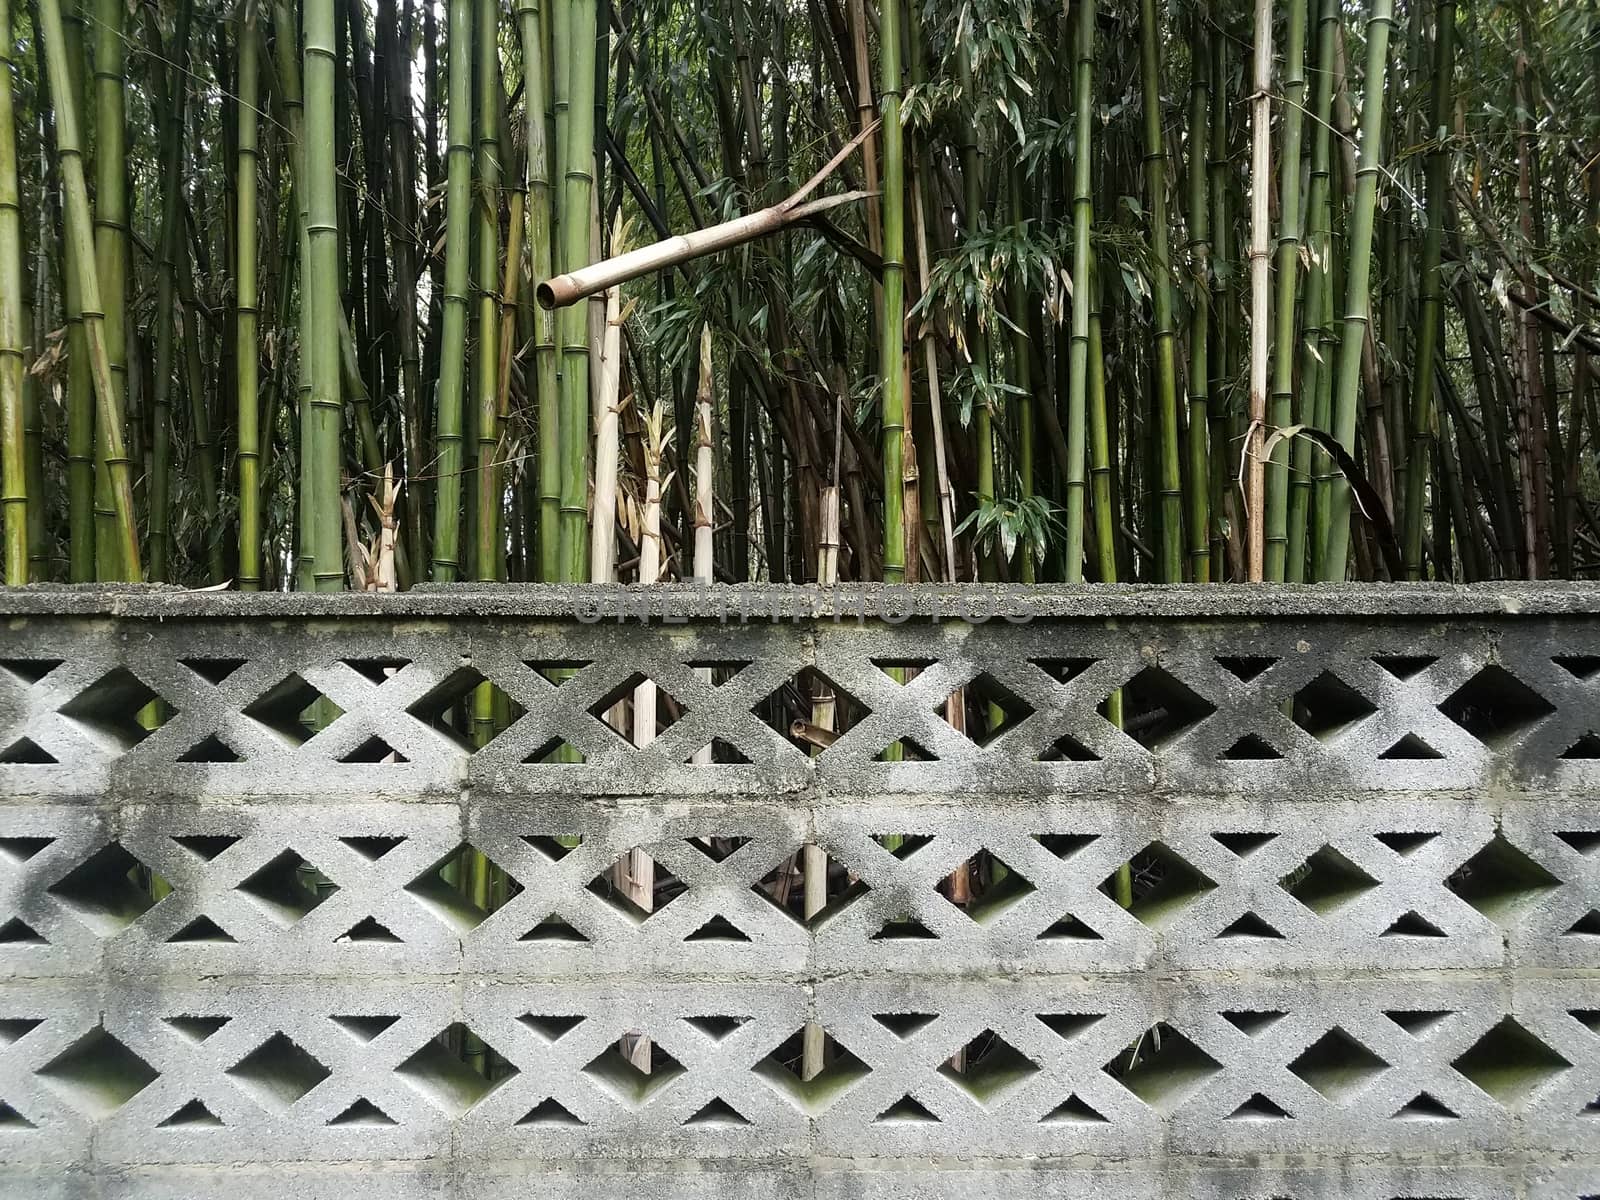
[1363, 958]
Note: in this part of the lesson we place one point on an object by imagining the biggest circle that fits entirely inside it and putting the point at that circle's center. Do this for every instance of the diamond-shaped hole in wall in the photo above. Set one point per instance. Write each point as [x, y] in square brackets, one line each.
[1327, 882]
[1163, 1068]
[1328, 706]
[1501, 882]
[720, 753]
[989, 1067]
[116, 709]
[903, 928]
[1510, 1064]
[556, 752]
[12, 1120]
[634, 1078]
[905, 750]
[1164, 885]
[278, 1072]
[1063, 670]
[109, 890]
[836, 1071]
[993, 885]
[791, 710]
[551, 1112]
[902, 845]
[456, 1070]
[456, 888]
[668, 708]
[554, 847]
[1066, 845]
[287, 888]
[25, 752]
[1158, 708]
[902, 669]
[784, 886]
[988, 709]
[441, 707]
[1495, 706]
[362, 1114]
[293, 710]
[1068, 928]
[1067, 748]
[1420, 1022]
[97, 1074]
[1337, 1066]
[632, 880]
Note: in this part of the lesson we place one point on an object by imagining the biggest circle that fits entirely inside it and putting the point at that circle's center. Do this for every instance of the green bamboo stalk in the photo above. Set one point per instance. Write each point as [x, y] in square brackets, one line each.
[536, 96]
[320, 292]
[1357, 297]
[576, 243]
[111, 251]
[80, 384]
[1019, 301]
[972, 193]
[247, 360]
[1307, 461]
[1169, 479]
[14, 500]
[453, 337]
[1287, 279]
[204, 451]
[891, 332]
[1260, 283]
[1432, 316]
[1078, 349]
[79, 230]
[1220, 352]
[1199, 217]
[160, 488]
[486, 556]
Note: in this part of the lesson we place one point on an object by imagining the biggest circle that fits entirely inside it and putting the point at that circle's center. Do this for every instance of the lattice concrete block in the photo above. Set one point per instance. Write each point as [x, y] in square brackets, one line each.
[298, 926]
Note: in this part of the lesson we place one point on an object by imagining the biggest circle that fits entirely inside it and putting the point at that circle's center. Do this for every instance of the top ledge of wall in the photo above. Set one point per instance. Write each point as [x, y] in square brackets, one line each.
[766, 602]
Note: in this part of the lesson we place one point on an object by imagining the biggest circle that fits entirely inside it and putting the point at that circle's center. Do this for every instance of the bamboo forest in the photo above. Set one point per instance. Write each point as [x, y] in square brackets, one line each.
[359, 294]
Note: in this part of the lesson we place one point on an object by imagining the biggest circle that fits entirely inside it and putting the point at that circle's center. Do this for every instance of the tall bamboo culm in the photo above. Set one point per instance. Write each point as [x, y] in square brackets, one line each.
[111, 249]
[13, 465]
[79, 231]
[453, 335]
[1078, 348]
[247, 418]
[1357, 294]
[486, 551]
[891, 336]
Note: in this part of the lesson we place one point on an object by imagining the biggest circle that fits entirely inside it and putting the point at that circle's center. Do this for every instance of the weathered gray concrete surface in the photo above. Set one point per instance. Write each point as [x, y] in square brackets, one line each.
[1414, 1013]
